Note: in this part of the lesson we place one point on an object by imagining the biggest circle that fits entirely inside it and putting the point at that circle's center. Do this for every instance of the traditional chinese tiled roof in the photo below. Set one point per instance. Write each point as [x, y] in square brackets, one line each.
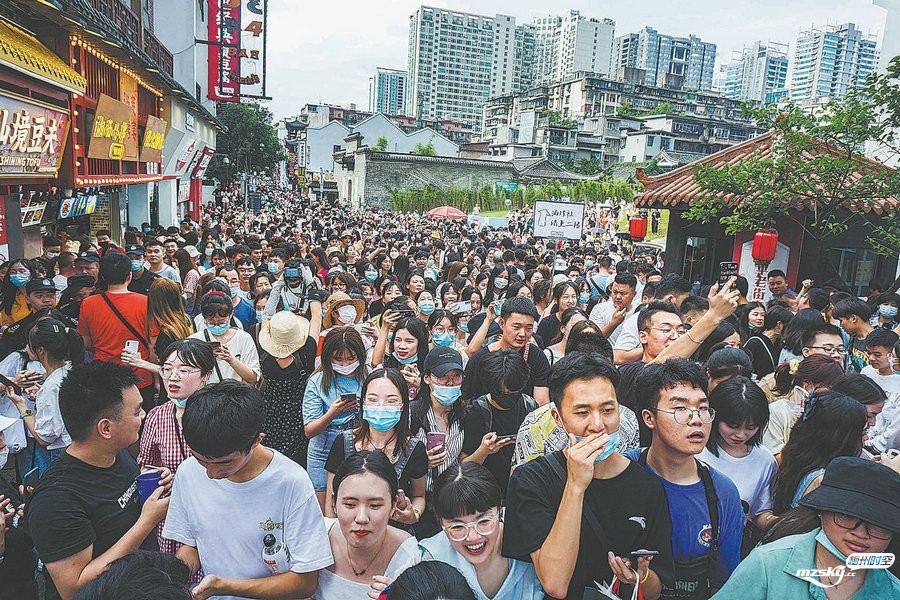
[679, 186]
[22, 52]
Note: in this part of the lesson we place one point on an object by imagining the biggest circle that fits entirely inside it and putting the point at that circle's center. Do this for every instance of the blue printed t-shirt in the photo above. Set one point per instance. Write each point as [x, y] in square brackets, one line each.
[691, 523]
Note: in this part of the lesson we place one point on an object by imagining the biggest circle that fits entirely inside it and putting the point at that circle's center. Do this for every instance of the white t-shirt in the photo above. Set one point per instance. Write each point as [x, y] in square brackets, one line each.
[752, 474]
[48, 422]
[227, 521]
[627, 338]
[242, 347]
[885, 434]
[602, 315]
[168, 271]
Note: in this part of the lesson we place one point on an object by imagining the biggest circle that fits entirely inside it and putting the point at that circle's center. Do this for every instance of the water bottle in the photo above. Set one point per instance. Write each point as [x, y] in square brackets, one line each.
[276, 555]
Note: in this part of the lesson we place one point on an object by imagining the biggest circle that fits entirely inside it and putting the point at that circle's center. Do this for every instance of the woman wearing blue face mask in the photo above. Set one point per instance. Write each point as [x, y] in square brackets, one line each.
[234, 348]
[426, 304]
[885, 314]
[494, 419]
[384, 426]
[13, 306]
[186, 367]
[438, 413]
[444, 327]
[331, 399]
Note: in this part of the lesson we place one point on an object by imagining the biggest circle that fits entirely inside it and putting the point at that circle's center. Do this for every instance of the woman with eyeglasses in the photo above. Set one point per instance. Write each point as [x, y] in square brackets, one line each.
[368, 551]
[831, 425]
[468, 504]
[186, 367]
[855, 510]
[384, 426]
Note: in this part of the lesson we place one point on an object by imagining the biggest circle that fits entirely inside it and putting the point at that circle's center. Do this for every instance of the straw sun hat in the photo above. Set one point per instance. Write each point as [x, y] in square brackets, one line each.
[283, 334]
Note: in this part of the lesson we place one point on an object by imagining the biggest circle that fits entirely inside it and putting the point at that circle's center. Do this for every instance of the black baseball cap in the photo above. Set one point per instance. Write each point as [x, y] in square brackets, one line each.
[134, 249]
[40, 285]
[76, 282]
[88, 257]
[441, 360]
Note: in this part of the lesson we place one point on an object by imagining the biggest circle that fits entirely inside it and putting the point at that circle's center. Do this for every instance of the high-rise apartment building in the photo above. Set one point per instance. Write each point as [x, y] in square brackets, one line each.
[566, 45]
[679, 62]
[458, 60]
[387, 91]
[756, 71]
[830, 61]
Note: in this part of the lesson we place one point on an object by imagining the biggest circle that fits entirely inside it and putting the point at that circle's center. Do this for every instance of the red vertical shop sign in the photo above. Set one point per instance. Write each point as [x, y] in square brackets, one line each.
[224, 64]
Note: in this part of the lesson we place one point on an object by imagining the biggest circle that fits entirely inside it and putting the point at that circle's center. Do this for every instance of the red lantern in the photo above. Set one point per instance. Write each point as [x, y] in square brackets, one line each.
[637, 227]
[764, 245]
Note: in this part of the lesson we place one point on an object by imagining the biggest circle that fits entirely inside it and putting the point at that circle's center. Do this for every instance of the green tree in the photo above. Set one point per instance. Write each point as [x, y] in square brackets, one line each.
[425, 149]
[815, 164]
[663, 108]
[381, 144]
[250, 142]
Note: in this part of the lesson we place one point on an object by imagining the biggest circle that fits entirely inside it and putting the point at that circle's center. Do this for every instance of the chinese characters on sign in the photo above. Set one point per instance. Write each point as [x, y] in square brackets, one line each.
[32, 138]
[110, 130]
[129, 95]
[224, 32]
[154, 138]
[253, 48]
[561, 220]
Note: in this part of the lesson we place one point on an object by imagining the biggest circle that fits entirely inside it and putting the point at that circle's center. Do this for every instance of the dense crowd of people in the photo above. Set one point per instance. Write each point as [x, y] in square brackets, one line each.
[316, 401]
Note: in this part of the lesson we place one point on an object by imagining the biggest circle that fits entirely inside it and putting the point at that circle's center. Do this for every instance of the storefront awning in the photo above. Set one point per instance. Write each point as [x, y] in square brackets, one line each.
[22, 52]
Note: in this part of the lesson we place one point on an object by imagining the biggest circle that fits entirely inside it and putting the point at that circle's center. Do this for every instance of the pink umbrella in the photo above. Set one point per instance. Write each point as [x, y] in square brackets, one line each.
[446, 212]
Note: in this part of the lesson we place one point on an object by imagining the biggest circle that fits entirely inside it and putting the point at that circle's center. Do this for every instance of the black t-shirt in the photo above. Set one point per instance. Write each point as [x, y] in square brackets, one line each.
[416, 467]
[75, 505]
[631, 508]
[763, 354]
[141, 284]
[302, 365]
[482, 418]
[473, 386]
[548, 329]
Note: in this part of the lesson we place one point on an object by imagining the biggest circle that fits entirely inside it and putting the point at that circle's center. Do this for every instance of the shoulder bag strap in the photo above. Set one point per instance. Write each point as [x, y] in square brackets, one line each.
[712, 503]
[349, 446]
[404, 458]
[127, 325]
[216, 363]
[587, 512]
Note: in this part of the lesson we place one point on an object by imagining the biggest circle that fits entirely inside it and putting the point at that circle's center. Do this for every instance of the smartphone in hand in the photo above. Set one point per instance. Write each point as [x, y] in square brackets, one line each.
[434, 439]
[727, 270]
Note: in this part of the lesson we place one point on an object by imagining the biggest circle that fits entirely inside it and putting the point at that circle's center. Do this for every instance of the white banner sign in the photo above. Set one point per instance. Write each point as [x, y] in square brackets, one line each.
[561, 220]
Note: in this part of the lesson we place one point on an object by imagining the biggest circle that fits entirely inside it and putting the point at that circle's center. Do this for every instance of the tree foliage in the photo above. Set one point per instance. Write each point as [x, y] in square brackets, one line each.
[815, 174]
[425, 149]
[381, 144]
[250, 143]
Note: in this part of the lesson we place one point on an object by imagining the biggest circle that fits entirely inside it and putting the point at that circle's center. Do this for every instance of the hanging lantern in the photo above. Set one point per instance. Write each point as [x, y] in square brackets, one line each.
[764, 245]
[637, 227]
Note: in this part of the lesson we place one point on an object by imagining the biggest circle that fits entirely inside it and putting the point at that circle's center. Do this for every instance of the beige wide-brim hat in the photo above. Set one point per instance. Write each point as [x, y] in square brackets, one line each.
[337, 300]
[283, 334]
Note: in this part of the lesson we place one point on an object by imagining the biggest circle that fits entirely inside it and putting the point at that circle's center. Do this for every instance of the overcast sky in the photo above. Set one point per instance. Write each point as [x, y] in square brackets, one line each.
[321, 51]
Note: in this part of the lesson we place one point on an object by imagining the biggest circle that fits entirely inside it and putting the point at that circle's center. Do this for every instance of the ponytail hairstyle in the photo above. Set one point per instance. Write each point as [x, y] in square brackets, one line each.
[60, 342]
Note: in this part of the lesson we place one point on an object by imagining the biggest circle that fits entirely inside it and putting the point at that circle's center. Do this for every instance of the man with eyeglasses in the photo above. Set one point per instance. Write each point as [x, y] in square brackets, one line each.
[704, 505]
[823, 338]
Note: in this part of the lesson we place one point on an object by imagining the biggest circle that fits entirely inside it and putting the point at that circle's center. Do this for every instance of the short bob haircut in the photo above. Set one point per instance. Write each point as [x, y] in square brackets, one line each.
[738, 401]
[579, 366]
[504, 368]
[362, 462]
[223, 418]
[465, 489]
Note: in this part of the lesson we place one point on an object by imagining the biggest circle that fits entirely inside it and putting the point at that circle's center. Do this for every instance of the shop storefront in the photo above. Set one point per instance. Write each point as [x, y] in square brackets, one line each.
[190, 137]
[35, 88]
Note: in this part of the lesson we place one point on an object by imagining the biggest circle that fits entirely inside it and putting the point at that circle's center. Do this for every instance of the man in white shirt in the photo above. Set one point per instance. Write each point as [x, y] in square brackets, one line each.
[154, 253]
[673, 288]
[880, 345]
[233, 493]
[611, 314]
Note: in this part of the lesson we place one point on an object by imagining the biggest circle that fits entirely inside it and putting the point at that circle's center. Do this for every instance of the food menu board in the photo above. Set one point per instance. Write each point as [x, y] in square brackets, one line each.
[33, 206]
[77, 206]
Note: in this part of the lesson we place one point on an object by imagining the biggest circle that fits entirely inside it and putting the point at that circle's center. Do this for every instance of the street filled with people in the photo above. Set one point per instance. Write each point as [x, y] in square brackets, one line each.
[315, 400]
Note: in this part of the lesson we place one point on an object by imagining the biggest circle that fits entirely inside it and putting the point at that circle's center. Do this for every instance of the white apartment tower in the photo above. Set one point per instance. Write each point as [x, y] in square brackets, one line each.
[755, 71]
[387, 91]
[458, 60]
[566, 45]
[681, 62]
[830, 61]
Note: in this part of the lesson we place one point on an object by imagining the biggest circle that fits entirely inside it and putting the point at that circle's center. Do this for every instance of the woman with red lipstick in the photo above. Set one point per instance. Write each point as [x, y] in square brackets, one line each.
[363, 495]
[858, 511]
[467, 502]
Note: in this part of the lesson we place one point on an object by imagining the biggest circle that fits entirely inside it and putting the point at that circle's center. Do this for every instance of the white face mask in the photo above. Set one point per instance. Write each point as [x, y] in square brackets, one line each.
[345, 369]
[347, 314]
